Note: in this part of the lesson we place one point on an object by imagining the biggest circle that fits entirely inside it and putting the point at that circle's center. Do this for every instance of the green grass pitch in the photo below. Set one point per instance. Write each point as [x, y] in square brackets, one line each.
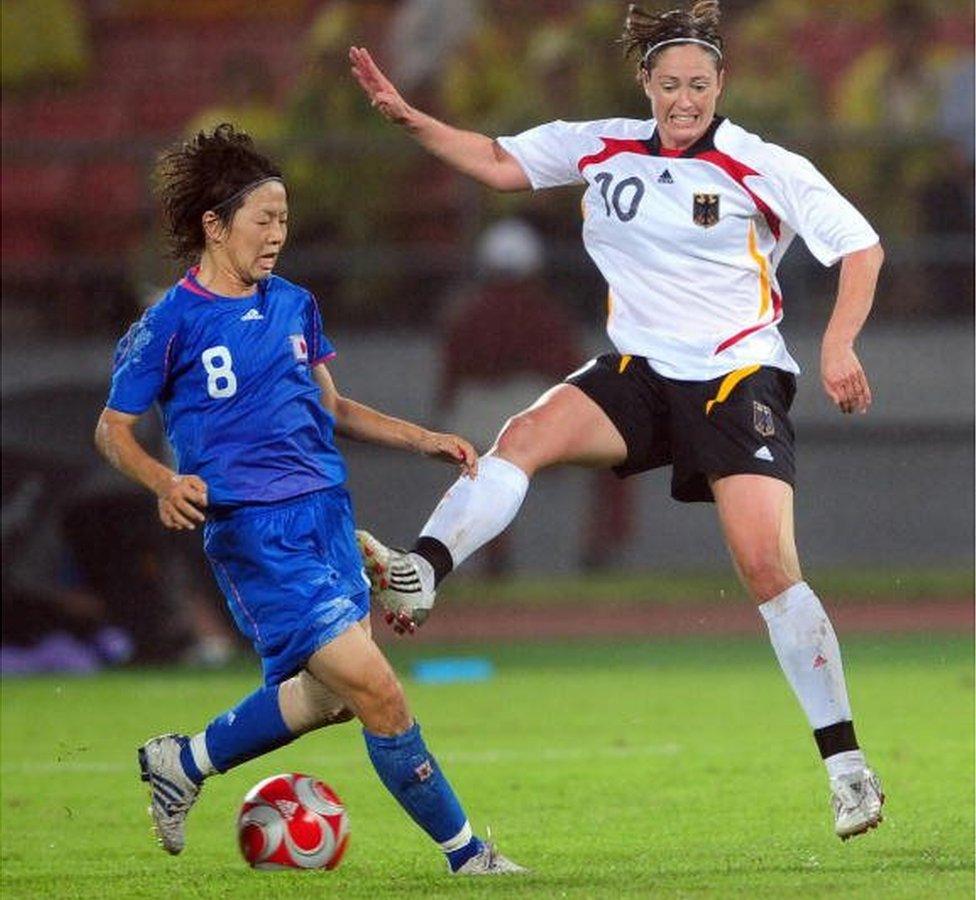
[665, 769]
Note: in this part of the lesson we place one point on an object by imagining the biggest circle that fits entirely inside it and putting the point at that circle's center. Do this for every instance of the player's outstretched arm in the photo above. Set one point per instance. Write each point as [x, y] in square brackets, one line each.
[472, 154]
[844, 379]
[363, 423]
[180, 498]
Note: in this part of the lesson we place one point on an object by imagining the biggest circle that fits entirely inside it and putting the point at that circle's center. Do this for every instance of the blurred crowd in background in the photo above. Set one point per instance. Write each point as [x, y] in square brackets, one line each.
[879, 93]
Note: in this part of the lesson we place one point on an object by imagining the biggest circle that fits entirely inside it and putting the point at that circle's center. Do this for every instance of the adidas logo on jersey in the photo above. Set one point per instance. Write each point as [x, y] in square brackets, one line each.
[763, 453]
[665, 178]
[252, 315]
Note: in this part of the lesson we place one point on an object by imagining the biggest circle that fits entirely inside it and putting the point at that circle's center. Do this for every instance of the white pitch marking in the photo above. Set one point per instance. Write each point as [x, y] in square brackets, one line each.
[551, 754]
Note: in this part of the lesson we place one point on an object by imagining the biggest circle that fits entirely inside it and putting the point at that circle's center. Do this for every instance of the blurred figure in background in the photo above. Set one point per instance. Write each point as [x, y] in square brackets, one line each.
[337, 193]
[506, 339]
[948, 200]
[55, 616]
[90, 581]
[422, 37]
[348, 195]
[898, 86]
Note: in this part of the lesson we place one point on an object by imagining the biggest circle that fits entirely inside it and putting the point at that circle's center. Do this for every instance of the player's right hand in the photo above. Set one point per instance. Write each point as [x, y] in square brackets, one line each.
[450, 448]
[181, 502]
[380, 90]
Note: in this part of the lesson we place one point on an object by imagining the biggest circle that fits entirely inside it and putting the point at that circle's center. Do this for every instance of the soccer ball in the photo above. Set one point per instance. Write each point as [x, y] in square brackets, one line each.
[292, 822]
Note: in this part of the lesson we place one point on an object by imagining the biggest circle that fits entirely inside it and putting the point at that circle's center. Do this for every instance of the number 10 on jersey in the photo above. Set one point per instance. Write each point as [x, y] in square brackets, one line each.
[625, 198]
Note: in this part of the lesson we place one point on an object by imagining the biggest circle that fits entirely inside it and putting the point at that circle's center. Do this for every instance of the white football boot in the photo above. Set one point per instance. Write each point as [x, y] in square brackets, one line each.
[857, 799]
[488, 861]
[171, 792]
[396, 582]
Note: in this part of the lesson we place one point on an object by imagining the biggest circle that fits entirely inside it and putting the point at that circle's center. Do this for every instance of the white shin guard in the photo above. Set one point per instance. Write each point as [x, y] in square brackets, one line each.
[807, 649]
[475, 510]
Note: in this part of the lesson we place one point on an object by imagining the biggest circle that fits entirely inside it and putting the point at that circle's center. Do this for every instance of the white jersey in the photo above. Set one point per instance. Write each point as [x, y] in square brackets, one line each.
[689, 244]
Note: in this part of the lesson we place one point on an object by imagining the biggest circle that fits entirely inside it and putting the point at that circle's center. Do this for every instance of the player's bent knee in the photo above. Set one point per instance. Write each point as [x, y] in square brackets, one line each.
[522, 441]
[764, 575]
[515, 436]
[383, 708]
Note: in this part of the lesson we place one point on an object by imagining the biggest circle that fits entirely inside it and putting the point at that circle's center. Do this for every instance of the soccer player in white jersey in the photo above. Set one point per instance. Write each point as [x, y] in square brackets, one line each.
[687, 216]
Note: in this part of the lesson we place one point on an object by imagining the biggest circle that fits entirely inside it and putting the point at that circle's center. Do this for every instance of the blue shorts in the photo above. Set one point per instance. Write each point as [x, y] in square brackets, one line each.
[291, 574]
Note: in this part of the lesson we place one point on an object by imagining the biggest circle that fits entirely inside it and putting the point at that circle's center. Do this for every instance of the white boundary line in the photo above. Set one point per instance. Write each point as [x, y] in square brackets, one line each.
[547, 754]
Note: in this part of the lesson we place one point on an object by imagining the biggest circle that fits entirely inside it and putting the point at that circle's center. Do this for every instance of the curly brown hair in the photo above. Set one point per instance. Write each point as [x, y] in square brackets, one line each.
[206, 173]
[642, 30]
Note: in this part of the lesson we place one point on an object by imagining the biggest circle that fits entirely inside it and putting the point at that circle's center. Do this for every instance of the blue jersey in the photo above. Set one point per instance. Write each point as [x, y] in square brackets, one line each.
[232, 376]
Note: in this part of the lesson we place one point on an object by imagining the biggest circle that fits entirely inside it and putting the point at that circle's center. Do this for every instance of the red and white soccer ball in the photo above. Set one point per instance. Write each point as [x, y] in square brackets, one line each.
[292, 822]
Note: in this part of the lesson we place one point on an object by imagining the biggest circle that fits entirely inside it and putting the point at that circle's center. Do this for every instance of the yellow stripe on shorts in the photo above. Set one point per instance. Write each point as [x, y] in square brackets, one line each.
[728, 385]
[624, 362]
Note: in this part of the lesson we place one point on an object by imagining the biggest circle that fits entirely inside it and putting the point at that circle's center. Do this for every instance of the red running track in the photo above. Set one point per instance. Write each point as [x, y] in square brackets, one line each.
[460, 622]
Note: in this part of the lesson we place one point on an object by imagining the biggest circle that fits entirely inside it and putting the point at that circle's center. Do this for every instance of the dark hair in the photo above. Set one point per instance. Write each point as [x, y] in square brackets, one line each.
[643, 29]
[206, 173]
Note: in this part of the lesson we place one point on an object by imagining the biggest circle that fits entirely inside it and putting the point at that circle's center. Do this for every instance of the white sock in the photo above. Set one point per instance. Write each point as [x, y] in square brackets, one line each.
[848, 762]
[808, 653]
[475, 510]
[201, 756]
[461, 839]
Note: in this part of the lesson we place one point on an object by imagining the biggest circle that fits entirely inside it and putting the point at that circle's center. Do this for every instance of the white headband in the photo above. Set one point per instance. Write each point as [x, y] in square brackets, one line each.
[680, 40]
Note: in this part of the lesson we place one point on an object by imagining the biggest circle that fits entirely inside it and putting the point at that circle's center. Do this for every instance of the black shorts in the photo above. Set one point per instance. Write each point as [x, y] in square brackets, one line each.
[732, 425]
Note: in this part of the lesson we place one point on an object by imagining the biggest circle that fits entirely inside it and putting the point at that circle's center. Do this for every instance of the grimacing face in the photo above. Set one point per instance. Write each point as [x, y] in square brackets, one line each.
[683, 87]
[250, 244]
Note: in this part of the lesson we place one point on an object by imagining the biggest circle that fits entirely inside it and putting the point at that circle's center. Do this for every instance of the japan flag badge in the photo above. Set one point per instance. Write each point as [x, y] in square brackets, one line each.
[299, 347]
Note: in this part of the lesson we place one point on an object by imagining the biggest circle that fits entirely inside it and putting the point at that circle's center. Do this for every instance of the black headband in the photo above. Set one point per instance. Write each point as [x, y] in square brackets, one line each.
[247, 190]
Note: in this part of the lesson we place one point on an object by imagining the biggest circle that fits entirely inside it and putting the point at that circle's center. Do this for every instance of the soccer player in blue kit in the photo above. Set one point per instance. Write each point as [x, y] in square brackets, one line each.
[236, 359]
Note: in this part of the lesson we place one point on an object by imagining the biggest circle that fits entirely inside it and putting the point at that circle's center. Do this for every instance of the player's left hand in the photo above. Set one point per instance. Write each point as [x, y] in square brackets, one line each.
[843, 377]
[451, 448]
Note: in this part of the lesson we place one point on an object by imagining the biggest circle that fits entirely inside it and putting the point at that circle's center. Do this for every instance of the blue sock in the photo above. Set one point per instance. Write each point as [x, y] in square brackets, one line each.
[415, 779]
[252, 728]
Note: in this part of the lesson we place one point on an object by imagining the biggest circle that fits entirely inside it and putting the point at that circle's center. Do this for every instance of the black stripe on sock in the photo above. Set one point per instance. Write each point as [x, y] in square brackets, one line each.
[437, 555]
[836, 738]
